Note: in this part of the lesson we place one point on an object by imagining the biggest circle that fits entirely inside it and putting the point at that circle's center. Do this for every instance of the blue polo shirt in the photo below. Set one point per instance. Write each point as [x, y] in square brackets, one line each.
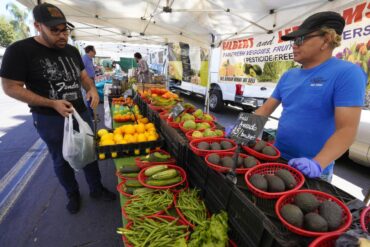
[89, 66]
[309, 98]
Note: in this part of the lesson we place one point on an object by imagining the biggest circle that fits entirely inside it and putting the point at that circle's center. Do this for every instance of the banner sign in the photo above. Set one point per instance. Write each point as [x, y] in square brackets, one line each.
[264, 58]
[188, 63]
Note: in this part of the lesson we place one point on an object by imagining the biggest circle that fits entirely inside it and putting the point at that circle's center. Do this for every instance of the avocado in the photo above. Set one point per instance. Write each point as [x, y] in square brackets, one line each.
[240, 162]
[306, 202]
[292, 214]
[257, 69]
[259, 182]
[314, 222]
[214, 159]
[251, 144]
[275, 184]
[259, 146]
[203, 145]
[332, 213]
[226, 145]
[269, 151]
[215, 146]
[287, 177]
[250, 162]
[247, 67]
[227, 161]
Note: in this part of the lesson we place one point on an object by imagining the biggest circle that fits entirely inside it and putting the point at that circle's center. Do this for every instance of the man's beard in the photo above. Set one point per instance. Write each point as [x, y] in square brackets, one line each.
[52, 45]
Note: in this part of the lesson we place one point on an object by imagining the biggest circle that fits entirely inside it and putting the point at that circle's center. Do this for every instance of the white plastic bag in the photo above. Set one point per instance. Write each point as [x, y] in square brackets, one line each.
[78, 147]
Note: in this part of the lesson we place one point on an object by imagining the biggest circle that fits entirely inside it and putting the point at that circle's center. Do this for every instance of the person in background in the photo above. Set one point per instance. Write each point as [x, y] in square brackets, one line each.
[47, 73]
[143, 72]
[321, 101]
[87, 59]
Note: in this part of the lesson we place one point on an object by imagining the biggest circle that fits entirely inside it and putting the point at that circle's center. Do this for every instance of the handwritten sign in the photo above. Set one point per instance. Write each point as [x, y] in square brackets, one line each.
[248, 127]
[177, 110]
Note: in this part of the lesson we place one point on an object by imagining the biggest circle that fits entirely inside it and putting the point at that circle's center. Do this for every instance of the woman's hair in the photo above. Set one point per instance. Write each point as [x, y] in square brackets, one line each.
[137, 55]
[335, 38]
[89, 48]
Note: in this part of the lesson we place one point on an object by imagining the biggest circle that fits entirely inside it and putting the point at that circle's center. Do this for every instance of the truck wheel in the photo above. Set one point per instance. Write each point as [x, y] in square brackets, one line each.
[215, 101]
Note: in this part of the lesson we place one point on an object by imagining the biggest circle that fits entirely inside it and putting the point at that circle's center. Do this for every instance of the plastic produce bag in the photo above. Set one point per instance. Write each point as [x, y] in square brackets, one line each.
[353, 238]
[78, 146]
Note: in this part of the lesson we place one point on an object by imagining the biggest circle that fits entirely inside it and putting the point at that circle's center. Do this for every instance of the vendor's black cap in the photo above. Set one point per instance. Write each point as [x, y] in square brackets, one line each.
[313, 23]
[49, 15]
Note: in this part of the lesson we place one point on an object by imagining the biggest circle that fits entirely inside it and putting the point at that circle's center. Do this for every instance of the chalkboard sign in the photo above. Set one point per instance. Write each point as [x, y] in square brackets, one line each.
[247, 128]
[176, 110]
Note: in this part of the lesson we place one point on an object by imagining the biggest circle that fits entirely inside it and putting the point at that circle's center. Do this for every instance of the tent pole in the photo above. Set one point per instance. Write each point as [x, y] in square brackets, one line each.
[206, 103]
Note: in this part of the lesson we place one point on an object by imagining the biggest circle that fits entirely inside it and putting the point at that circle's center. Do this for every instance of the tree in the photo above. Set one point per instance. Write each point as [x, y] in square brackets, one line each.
[21, 28]
[7, 34]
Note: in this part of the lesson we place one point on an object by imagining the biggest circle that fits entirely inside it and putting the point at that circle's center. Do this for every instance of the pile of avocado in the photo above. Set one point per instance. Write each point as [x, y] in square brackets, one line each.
[281, 181]
[228, 161]
[262, 147]
[223, 145]
[309, 213]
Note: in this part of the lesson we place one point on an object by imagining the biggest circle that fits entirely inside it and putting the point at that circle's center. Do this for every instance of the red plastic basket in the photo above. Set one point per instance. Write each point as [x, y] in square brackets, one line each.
[327, 240]
[165, 217]
[198, 120]
[190, 132]
[182, 216]
[180, 188]
[156, 214]
[321, 196]
[121, 191]
[181, 125]
[164, 115]
[262, 156]
[271, 168]
[173, 124]
[142, 178]
[365, 219]
[194, 146]
[143, 164]
[223, 169]
[119, 174]
[159, 108]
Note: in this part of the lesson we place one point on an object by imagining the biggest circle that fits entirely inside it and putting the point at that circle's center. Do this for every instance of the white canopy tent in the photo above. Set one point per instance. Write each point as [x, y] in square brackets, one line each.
[197, 22]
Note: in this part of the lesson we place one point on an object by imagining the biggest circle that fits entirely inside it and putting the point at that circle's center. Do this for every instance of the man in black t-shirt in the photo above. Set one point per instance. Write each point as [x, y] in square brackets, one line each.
[47, 74]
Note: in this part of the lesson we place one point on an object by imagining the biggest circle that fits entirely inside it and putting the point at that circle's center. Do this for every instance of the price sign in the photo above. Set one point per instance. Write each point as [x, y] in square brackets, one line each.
[247, 128]
[177, 110]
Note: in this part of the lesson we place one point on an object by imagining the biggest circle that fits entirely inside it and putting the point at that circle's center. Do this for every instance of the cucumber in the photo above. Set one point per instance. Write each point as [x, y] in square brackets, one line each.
[165, 181]
[167, 174]
[129, 190]
[154, 169]
[133, 183]
[129, 169]
[130, 175]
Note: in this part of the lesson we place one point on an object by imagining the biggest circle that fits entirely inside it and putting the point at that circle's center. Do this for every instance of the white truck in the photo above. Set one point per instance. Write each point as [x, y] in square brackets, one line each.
[245, 95]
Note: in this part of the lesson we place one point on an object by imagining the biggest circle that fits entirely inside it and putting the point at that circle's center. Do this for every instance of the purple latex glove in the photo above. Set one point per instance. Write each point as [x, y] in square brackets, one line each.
[308, 167]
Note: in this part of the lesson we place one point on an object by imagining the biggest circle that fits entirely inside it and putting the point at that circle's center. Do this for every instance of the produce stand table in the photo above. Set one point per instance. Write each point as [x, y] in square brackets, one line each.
[252, 220]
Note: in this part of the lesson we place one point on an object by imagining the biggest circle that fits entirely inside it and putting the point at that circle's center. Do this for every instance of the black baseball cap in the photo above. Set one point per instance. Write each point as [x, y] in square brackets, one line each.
[313, 23]
[50, 15]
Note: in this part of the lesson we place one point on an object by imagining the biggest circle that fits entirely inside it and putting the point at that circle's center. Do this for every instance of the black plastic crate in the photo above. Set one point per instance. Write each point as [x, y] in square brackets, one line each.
[219, 184]
[198, 163]
[196, 180]
[213, 202]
